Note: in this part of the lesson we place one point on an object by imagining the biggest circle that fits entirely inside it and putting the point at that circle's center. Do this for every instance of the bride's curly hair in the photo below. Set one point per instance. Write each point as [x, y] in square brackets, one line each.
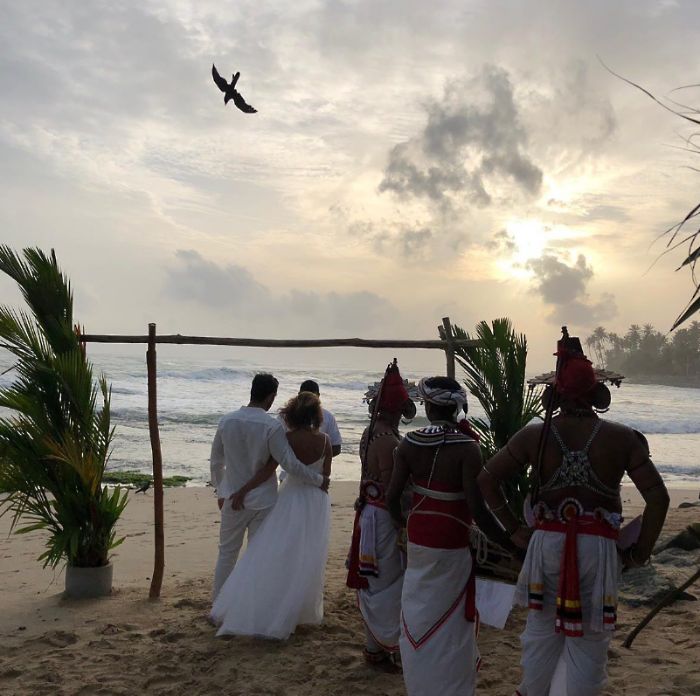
[303, 411]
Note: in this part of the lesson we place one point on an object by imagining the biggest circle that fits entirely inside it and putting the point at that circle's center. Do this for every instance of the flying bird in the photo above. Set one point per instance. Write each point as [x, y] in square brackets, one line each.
[230, 91]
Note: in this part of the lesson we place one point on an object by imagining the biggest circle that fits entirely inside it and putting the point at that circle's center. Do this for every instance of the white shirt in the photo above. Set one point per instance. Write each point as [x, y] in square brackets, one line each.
[244, 441]
[330, 428]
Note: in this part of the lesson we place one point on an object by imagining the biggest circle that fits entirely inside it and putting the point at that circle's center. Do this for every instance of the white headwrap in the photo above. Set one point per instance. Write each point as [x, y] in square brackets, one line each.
[441, 396]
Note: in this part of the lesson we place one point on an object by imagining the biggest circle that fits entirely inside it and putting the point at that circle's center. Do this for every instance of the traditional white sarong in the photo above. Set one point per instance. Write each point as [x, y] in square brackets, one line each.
[438, 644]
[382, 565]
[439, 624]
[560, 629]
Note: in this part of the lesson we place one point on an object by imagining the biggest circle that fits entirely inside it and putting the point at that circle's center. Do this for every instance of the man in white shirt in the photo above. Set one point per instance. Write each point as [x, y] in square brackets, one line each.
[328, 426]
[244, 442]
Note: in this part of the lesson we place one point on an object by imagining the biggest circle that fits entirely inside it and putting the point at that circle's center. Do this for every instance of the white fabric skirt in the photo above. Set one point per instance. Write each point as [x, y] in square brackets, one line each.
[278, 582]
[438, 645]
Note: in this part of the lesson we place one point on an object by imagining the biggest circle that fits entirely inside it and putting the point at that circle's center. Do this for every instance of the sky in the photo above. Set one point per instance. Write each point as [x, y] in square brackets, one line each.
[408, 161]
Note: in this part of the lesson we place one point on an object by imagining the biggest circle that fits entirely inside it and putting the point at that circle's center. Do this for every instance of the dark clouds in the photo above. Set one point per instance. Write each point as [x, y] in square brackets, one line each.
[472, 136]
[563, 287]
[233, 291]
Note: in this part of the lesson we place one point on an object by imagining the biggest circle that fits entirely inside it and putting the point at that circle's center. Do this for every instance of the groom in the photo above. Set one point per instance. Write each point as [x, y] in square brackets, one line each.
[244, 442]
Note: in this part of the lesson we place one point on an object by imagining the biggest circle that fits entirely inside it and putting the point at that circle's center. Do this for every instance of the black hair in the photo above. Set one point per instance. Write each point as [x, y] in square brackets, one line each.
[308, 385]
[263, 386]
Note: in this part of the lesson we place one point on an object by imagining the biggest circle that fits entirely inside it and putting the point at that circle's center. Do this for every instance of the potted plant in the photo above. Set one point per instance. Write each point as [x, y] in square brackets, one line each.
[55, 442]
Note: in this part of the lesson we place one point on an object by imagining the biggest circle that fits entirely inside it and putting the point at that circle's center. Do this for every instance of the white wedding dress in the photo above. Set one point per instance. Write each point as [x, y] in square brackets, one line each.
[277, 583]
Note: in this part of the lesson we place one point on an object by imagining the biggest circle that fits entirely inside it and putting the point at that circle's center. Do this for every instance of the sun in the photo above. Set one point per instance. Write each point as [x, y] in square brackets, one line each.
[529, 238]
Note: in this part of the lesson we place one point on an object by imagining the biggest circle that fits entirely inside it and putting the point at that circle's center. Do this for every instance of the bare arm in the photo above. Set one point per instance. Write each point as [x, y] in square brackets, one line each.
[471, 466]
[282, 452]
[328, 458]
[505, 464]
[399, 479]
[649, 483]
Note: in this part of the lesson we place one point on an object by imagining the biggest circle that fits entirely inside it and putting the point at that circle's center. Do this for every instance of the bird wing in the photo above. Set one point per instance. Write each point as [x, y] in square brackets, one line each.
[241, 103]
[220, 82]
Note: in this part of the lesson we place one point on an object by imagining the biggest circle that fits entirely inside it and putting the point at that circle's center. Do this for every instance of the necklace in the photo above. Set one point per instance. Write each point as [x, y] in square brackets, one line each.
[580, 412]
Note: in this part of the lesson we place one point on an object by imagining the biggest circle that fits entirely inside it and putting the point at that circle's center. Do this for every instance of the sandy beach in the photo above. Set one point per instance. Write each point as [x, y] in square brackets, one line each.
[126, 644]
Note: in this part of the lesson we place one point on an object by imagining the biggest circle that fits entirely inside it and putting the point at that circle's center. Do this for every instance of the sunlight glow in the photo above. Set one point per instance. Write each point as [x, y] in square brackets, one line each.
[529, 239]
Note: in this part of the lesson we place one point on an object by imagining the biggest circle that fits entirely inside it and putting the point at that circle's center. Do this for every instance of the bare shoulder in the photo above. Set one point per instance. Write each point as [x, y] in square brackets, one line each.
[623, 432]
[527, 436]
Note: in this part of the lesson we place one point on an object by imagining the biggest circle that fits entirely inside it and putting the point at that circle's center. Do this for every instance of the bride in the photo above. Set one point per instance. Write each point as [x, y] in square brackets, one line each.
[277, 583]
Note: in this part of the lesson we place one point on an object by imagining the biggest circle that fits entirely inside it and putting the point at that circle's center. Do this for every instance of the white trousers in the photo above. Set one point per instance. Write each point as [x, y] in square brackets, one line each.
[233, 526]
[585, 657]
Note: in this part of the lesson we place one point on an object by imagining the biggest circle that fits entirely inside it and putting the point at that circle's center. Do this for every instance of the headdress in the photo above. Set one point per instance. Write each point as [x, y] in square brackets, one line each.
[441, 396]
[392, 393]
[575, 376]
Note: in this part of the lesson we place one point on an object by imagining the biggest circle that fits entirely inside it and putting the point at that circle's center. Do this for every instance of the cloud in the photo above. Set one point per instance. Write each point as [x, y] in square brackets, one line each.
[229, 287]
[564, 287]
[502, 242]
[473, 140]
[233, 291]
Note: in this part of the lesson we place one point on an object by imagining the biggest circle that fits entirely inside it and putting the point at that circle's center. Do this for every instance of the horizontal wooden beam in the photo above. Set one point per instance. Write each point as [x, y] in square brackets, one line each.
[178, 339]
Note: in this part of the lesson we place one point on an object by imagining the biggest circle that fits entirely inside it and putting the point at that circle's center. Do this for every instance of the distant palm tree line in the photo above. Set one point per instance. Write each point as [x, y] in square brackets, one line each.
[643, 350]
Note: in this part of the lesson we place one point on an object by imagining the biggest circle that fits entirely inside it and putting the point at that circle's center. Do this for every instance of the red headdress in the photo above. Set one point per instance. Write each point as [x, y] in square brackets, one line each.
[576, 376]
[393, 393]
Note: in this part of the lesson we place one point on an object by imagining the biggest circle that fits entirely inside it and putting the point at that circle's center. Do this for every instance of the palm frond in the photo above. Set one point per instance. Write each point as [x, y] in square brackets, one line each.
[55, 444]
[495, 375]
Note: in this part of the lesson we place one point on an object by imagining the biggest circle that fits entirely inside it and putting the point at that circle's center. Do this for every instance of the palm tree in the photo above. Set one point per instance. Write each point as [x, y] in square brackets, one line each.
[690, 114]
[596, 342]
[55, 443]
[495, 375]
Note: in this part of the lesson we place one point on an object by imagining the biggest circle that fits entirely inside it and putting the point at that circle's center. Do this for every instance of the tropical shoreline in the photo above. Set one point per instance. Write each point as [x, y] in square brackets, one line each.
[689, 382]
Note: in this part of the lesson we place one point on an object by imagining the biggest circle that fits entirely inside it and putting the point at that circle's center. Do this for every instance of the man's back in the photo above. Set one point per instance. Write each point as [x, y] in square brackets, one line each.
[329, 426]
[241, 447]
[613, 449]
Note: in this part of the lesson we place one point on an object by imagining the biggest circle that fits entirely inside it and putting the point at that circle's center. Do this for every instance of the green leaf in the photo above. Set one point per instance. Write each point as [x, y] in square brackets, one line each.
[56, 440]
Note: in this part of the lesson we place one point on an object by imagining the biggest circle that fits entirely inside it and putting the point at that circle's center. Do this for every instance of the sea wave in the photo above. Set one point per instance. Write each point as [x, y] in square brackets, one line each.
[138, 416]
[207, 374]
[652, 426]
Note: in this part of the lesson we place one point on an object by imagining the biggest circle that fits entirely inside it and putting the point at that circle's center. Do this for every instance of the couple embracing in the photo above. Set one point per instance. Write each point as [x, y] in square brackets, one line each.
[278, 582]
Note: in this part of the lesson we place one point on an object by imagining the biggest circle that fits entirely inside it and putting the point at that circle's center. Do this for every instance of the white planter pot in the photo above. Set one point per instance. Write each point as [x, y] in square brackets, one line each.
[87, 583]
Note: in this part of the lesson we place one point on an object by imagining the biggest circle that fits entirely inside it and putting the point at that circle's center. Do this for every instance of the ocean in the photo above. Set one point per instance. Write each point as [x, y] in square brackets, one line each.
[193, 395]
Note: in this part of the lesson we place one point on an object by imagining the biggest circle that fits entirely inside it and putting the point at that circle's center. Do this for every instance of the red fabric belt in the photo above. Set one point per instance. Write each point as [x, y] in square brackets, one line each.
[439, 524]
[569, 619]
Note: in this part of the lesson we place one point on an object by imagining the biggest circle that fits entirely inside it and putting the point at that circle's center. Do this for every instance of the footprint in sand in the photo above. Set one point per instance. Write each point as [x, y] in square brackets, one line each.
[56, 639]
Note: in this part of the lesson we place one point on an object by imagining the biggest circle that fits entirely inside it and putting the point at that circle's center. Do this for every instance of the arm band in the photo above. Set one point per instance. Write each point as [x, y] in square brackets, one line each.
[658, 484]
[514, 458]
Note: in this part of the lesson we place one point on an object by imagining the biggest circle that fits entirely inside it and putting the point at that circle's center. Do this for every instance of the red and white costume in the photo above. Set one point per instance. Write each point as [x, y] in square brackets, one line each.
[439, 622]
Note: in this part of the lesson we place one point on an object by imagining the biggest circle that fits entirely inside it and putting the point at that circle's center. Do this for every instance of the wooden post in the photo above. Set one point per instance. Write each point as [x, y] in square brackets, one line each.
[449, 351]
[159, 562]
[665, 601]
